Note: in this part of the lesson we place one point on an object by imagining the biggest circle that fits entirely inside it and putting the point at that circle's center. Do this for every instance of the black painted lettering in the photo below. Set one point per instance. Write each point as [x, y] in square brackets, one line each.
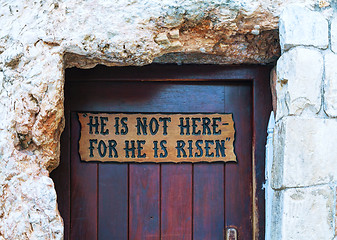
[141, 126]
[186, 126]
[116, 125]
[194, 126]
[103, 124]
[155, 149]
[101, 148]
[125, 129]
[220, 148]
[153, 126]
[131, 148]
[207, 143]
[180, 148]
[190, 148]
[112, 148]
[93, 125]
[140, 148]
[91, 147]
[165, 120]
[205, 126]
[215, 126]
[197, 144]
[163, 148]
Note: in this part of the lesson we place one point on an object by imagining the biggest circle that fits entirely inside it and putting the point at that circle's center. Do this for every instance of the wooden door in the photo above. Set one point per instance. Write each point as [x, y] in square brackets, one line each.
[165, 201]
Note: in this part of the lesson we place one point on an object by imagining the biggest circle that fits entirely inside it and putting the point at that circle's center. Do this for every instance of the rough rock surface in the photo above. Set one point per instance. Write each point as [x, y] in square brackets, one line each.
[299, 80]
[39, 39]
[330, 85]
[334, 34]
[307, 213]
[301, 27]
[305, 152]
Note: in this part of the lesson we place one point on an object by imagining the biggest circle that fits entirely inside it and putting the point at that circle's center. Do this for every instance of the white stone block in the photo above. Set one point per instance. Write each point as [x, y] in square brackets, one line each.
[333, 32]
[301, 27]
[298, 85]
[305, 213]
[305, 152]
[330, 85]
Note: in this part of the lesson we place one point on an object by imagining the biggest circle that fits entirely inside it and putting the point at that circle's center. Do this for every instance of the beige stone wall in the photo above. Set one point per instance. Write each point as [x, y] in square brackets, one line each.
[39, 39]
[304, 172]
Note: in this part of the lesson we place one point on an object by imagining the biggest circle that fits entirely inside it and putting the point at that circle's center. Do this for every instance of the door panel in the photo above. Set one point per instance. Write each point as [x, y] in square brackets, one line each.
[208, 207]
[238, 176]
[144, 208]
[176, 201]
[158, 201]
[83, 221]
[113, 201]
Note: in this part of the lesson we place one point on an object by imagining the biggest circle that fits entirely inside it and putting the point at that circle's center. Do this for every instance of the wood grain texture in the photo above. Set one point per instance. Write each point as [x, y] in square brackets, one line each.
[144, 202]
[238, 177]
[208, 202]
[113, 201]
[83, 191]
[176, 201]
[261, 94]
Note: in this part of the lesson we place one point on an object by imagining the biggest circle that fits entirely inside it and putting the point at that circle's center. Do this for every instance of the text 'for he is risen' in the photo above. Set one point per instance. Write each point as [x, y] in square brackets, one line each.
[121, 137]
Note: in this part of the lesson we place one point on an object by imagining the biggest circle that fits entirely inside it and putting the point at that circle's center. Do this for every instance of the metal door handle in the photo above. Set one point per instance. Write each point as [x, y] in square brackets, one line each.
[231, 234]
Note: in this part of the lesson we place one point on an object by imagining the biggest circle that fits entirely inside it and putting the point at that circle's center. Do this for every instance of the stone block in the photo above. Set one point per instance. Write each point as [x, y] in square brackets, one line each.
[305, 213]
[299, 79]
[330, 85]
[333, 32]
[301, 27]
[305, 152]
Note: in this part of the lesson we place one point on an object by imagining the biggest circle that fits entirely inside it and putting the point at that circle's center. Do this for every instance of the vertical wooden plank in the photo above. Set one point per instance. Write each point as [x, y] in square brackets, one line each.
[83, 190]
[261, 94]
[176, 206]
[144, 202]
[238, 176]
[208, 178]
[61, 175]
[113, 201]
[208, 204]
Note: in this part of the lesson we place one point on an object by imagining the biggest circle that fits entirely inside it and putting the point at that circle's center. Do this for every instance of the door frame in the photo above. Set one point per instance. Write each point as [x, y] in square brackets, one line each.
[257, 75]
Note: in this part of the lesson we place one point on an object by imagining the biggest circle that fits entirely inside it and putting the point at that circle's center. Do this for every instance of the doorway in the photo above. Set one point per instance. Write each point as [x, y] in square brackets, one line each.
[167, 200]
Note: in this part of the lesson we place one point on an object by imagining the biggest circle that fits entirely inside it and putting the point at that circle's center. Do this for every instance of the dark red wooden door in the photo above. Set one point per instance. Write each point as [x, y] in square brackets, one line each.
[164, 201]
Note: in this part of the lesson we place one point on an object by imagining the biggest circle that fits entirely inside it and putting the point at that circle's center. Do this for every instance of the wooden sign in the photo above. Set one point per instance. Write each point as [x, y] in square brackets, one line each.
[121, 137]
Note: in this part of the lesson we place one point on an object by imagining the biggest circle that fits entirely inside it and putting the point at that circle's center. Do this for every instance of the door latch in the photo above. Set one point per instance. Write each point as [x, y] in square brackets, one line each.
[231, 234]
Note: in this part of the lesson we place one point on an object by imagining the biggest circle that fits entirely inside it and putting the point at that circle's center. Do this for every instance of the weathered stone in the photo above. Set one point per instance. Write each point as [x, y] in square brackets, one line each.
[303, 213]
[301, 27]
[298, 86]
[330, 85]
[305, 152]
[333, 33]
[174, 33]
[162, 39]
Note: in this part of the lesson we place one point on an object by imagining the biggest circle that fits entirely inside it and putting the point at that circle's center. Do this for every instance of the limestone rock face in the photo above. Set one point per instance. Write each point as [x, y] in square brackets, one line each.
[330, 85]
[305, 152]
[301, 27]
[334, 34]
[308, 213]
[39, 39]
[299, 80]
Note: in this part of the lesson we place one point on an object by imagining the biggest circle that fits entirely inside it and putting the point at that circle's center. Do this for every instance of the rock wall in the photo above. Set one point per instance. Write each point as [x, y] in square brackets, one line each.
[304, 172]
[39, 39]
